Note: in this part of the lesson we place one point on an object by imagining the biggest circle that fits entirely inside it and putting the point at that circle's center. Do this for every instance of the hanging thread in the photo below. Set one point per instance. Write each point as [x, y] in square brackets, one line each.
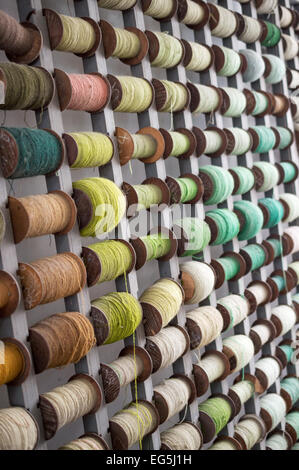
[278, 69]
[292, 202]
[176, 393]
[275, 210]
[252, 30]
[275, 405]
[232, 63]
[171, 342]
[94, 149]
[78, 35]
[209, 99]
[291, 47]
[227, 223]
[88, 92]
[250, 431]
[270, 367]
[270, 176]
[157, 245]
[65, 338]
[123, 314]
[137, 95]
[273, 35]
[253, 219]
[291, 386]
[256, 254]
[237, 307]
[108, 205]
[127, 45]
[183, 436]
[245, 178]
[219, 410]
[159, 9]
[18, 429]
[166, 296]
[237, 102]
[222, 183]
[287, 317]
[84, 443]
[198, 234]
[242, 141]
[170, 51]
[242, 348]
[176, 97]
[39, 152]
[201, 57]
[51, 278]
[227, 23]
[26, 87]
[255, 65]
[210, 322]
[12, 363]
[203, 277]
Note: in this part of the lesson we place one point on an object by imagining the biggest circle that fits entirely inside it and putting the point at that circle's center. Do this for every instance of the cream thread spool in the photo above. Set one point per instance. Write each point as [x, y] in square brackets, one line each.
[202, 280]
[169, 344]
[291, 47]
[226, 24]
[268, 370]
[182, 436]
[204, 325]
[18, 429]
[172, 396]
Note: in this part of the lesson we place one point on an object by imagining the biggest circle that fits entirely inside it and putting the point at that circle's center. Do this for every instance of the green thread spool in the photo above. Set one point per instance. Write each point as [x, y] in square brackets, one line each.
[237, 102]
[148, 195]
[278, 69]
[26, 87]
[288, 350]
[188, 189]
[115, 258]
[245, 178]
[222, 183]
[273, 35]
[145, 146]
[261, 103]
[286, 137]
[156, 245]
[94, 149]
[198, 234]
[232, 63]
[291, 386]
[276, 245]
[270, 176]
[39, 152]
[290, 171]
[256, 254]
[266, 137]
[227, 224]
[123, 313]
[292, 419]
[127, 44]
[108, 205]
[275, 210]
[255, 65]
[219, 410]
[180, 144]
[230, 265]
[279, 281]
[253, 219]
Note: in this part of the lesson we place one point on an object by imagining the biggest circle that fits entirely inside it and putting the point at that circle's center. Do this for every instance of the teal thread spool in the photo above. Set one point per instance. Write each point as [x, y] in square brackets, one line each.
[231, 266]
[273, 35]
[280, 282]
[256, 254]
[39, 152]
[266, 138]
[291, 386]
[218, 183]
[274, 209]
[197, 232]
[252, 218]
[292, 420]
[290, 171]
[286, 137]
[288, 350]
[276, 245]
[277, 69]
[227, 224]
[244, 179]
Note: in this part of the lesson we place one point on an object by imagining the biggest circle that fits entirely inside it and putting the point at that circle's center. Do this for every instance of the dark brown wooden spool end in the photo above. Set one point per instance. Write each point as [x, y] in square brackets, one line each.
[207, 427]
[26, 367]
[255, 337]
[84, 207]
[290, 277]
[145, 4]
[200, 376]
[291, 431]
[9, 294]
[36, 45]
[100, 324]
[126, 144]
[168, 142]
[296, 307]
[201, 141]
[132, 195]
[250, 99]
[182, 11]
[277, 323]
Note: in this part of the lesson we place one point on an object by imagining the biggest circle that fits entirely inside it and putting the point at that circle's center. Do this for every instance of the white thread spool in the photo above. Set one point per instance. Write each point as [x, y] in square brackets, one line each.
[275, 406]
[126, 368]
[195, 13]
[201, 57]
[242, 348]
[244, 389]
[227, 23]
[287, 317]
[203, 278]
[291, 47]
[286, 17]
[160, 9]
[260, 293]
[172, 343]
[293, 232]
[210, 322]
[263, 332]
[292, 201]
[209, 99]
[213, 141]
[237, 307]
[252, 30]
[183, 436]
[250, 431]
[267, 6]
[270, 367]
[294, 81]
[18, 430]
[242, 141]
[213, 365]
[176, 393]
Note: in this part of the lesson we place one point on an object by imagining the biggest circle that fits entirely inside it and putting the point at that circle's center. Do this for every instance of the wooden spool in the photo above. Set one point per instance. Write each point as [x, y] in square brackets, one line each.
[166, 447]
[49, 414]
[168, 142]
[260, 422]
[126, 144]
[262, 377]
[195, 97]
[26, 360]
[189, 53]
[233, 395]
[214, 19]
[285, 434]
[111, 383]
[175, 190]
[281, 354]
[93, 263]
[285, 395]
[9, 294]
[233, 441]
[236, 181]
[182, 11]
[154, 48]
[161, 403]
[255, 337]
[98, 438]
[36, 45]
[117, 92]
[292, 431]
[132, 196]
[160, 94]
[282, 173]
[219, 270]
[248, 260]
[201, 379]
[20, 217]
[55, 30]
[220, 61]
[207, 424]
[72, 149]
[188, 283]
[145, 4]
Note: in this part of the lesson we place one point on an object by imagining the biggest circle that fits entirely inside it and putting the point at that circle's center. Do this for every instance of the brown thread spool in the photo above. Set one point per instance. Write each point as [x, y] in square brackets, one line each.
[61, 339]
[21, 42]
[52, 278]
[43, 214]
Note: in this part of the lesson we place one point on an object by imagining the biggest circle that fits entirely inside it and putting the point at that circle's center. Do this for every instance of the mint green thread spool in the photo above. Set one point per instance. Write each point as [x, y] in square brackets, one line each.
[188, 189]
[288, 350]
[270, 176]
[286, 137]
[198, 234]
[237, 102]
[276, 245]
[256, 254]
[290, 171]
[218, 409]
[266, 137]
[227, 224]
[278, 69]
[231, 266]
[261, 103]
[245, 179]
[156, 246]
[232, 63]
[292, 419]
[280, 282]
[253, 219]
[222, 183]
[275, 210]
[291, 386]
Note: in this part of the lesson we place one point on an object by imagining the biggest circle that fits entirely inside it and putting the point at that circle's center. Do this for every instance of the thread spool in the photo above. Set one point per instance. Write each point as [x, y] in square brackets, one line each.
[255, 65]
[160, 10]
[249, 431]
[292, 424]
[130, 45]
[122, 5]
[286, 137]
[290, 391]
[255, 256]
[291, 208]
[160, 244]
[230, 267]
[284, 318]
[218, 184]
[266, 6]
[258, 293]
[151, 192]
[198, 281]
[204, 325]
[261, 333]
[204, 98]
[250, 29]
[90, 441]
[160, 304]
[264, 103]
[224, 226]
[89, 194]
[213, 366]
[286, 17]
[19, 429]
[293, 233]
[15, 362]
[239, 350]
[214, 415]
[182, 436]
[180, 143]
[285, 352]
[290, 47]
[22, 42]
[187, 188]
[273, 410]
[268, 370]
[9, 294]
[214, 140]
[130, 94]
[294, 267]
[264, 139]
[165, 51]
[65, 404]
[171, 97]
[239, 141]
[292, 78]
[227, 62]
[167, 346]
[223, 22]
[273, 35]
[42, 214]
[88, 149]
[31, 152]
[279, 440]
[26, 87]
[132, 362]
[193, 235]
[115, 316]
[225, 443]
[198, 57]
[82, 36]
[234, 309]
[71, 330]
[173, 395]
[243, 179]
[266, 176]
[275, 247]
[273, 211]
[51, 278]
[132, 424]
[82, 92]
[147, 145]
[242, 391]
[234, 102]
[107, 260]
[275, 69]
[250, 217]
[195, 14]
